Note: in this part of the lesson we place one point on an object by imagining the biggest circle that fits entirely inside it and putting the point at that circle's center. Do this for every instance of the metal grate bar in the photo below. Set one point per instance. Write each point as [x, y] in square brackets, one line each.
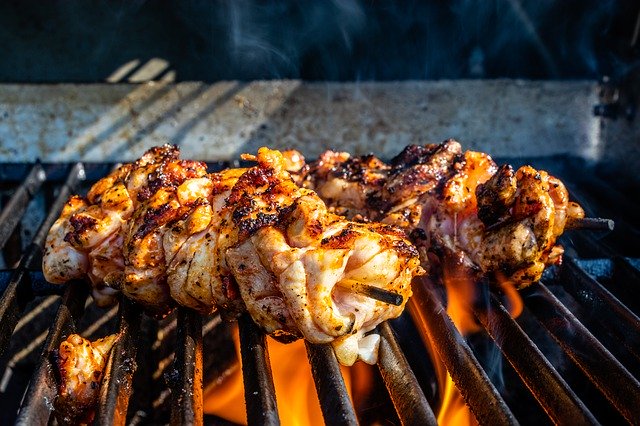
[38, 404]
[597, 363]
[186, 392]
[18, 291]
[405, 392]
[626, 283]
[336, 406]
[13, 211]
[604, 306]
[430, 317]
[116, 386]
[259, 391]
[554, 395]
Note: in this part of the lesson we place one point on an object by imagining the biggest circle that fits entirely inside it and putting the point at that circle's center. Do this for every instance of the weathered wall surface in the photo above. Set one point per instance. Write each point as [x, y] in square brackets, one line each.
[109, 122]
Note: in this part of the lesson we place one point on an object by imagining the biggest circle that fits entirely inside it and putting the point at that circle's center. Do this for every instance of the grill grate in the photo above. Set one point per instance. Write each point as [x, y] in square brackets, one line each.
[117, 381]
[586, 322]
[556, 397]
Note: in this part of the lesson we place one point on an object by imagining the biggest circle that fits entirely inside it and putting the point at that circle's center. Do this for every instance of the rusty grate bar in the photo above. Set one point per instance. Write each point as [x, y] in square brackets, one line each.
[405, 392]
[38, 404]
[116, 387]
[596, 362]
[259, 391]
[18, 291]
[186, 392]
[555, 396]
[15, 208]
[336, 406]
[603, 305]
[431, 318]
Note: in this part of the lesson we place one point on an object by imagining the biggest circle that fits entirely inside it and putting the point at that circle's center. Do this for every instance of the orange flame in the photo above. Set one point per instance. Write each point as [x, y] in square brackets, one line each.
[462, 292]
[295, 390]
[514, 302]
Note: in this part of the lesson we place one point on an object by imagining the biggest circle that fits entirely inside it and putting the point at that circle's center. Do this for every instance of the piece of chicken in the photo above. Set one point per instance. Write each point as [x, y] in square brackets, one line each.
[80, 367]
[242, 239]
[454, 203]
[88, 238]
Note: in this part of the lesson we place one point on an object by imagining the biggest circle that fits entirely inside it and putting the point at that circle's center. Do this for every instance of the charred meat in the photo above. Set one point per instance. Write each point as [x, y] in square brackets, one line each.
[495, 220]
[80, 367]
[164, 231]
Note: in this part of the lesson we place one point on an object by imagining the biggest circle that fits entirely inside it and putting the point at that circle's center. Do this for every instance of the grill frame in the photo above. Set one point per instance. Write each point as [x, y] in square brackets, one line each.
[188, 366]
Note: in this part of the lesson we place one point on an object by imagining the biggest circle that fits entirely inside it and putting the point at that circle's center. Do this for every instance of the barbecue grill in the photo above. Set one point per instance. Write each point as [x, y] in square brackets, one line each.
[571, 357]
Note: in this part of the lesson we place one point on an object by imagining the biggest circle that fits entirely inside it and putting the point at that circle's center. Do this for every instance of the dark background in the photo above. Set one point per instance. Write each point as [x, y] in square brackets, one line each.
[85, 41]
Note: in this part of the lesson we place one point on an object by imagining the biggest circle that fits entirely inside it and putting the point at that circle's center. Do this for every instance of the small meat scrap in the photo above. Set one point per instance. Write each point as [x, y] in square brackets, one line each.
[81, 364]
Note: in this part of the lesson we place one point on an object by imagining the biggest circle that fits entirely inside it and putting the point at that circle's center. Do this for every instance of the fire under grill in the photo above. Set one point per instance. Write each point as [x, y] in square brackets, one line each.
[571, 357]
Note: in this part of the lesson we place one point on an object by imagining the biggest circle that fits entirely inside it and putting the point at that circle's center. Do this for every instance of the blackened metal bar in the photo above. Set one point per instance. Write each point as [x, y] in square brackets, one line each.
[435, 326]
[259, 391]
[37, 406]
[626, 283]
[186, 397]
[597, 363]
[336, 406]
[76, 175]
[554, 395]
[405, 392]
[13, 211]
[115, 389]
[18, 291]
[602, 305]
[39, 286]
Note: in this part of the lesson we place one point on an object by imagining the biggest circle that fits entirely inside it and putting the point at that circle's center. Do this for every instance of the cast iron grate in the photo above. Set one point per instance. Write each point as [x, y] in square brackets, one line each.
[587, 310]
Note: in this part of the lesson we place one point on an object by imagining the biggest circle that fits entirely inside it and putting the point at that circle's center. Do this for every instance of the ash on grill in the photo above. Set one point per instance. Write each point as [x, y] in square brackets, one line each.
[581, 366]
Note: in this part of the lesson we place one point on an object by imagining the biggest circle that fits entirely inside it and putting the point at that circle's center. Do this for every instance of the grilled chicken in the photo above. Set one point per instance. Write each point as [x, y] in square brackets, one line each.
[163, 231]
[454, 204]
[88, 238]
[81, 364]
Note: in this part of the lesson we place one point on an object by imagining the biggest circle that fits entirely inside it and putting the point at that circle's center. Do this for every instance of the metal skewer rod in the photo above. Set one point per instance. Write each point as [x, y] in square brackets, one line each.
[376, 293]
[591, 223]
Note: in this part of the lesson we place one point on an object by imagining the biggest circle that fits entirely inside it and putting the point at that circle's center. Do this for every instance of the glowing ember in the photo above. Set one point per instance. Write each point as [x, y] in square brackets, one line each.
[295, 390]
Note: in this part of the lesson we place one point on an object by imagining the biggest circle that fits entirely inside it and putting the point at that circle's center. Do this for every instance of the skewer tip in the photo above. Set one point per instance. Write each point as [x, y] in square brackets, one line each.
[373, 292]
[591, 223]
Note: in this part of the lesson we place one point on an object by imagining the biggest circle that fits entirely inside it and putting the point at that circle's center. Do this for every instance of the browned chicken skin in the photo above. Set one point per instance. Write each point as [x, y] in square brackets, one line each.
[455, 204]
[80, 366]
[163, 231]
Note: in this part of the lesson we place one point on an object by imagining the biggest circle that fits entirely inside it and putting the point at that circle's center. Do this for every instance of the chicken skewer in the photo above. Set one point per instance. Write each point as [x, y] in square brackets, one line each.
[163, 231]
[454, 204]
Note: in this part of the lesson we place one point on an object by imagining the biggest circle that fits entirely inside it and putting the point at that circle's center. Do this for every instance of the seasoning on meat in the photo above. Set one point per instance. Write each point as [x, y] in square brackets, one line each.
[163, 231]
[80, 367]
[453, 204]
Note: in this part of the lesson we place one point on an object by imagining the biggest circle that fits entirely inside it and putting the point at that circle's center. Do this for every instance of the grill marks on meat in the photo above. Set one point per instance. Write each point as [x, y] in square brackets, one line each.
[239, 240]
[419, 169]
[454, 204]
